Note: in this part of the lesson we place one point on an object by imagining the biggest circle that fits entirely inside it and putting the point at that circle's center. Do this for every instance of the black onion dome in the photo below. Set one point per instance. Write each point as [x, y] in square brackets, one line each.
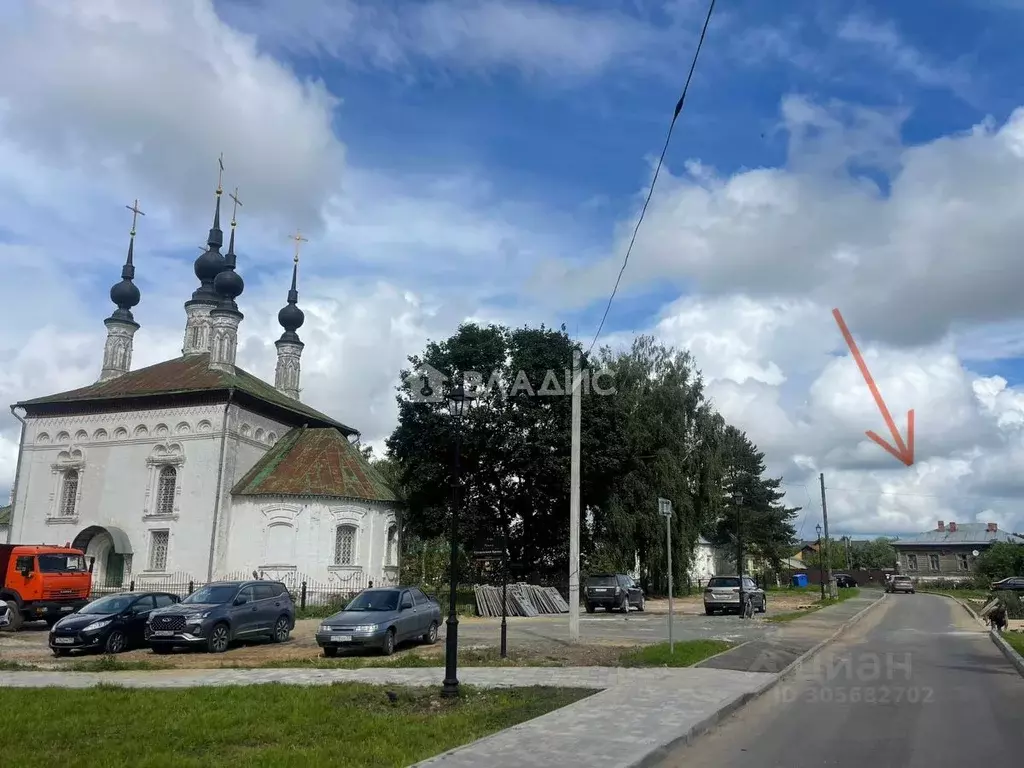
[229, 284]
[211, 262]
[208, 265]
[291, 318]
[125, 294]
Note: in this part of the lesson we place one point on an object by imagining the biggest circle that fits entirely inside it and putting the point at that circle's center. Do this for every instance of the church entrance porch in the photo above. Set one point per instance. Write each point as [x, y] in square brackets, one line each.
[108, 552]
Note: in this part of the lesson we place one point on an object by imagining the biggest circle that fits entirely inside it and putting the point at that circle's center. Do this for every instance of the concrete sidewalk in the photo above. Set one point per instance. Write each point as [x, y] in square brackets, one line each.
[792, 640]
[635, 724]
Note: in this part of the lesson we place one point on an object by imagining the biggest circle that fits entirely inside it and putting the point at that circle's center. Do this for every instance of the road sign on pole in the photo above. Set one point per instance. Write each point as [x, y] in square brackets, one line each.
[665, 508]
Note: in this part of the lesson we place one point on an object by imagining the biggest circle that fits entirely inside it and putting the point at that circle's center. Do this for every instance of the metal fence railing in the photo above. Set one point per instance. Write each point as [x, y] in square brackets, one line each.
[309, 594]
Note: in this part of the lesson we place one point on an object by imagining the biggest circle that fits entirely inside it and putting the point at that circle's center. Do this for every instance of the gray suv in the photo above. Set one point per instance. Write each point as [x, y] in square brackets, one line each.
[723, 594]
[216, 614]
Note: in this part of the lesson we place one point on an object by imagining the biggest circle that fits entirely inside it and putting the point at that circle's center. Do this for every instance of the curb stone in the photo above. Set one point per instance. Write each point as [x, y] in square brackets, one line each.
[654, 757]
[1007, 650]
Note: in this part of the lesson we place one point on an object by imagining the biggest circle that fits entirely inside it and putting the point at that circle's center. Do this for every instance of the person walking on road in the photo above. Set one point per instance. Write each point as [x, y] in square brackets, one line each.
[997, 617]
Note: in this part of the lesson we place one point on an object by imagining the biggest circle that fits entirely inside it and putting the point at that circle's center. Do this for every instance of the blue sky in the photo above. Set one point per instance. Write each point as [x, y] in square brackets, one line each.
[580, 145]
[486, 159]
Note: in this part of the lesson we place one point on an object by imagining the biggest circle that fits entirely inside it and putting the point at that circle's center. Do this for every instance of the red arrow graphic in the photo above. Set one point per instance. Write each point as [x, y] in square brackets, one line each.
[903, 451]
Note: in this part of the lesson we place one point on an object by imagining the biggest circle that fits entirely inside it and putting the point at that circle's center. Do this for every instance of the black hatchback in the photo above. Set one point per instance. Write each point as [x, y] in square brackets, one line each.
[109, 624]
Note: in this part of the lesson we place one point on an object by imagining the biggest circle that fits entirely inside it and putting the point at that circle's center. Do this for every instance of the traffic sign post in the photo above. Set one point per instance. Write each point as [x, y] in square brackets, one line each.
[665, 508]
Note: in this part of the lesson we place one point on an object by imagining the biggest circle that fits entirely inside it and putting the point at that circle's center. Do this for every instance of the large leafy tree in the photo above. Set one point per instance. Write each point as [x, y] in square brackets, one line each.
[670, 438]
[514, 443]
[647, 433]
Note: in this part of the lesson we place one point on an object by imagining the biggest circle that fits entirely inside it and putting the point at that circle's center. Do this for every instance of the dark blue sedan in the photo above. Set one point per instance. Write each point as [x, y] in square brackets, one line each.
[110, 624]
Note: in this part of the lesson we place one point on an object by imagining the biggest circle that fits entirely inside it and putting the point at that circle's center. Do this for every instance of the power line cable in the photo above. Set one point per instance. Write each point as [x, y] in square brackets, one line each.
[657, 170]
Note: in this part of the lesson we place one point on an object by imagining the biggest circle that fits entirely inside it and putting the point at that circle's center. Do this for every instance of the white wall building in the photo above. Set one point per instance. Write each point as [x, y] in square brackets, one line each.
[704, 563]
[193, 469]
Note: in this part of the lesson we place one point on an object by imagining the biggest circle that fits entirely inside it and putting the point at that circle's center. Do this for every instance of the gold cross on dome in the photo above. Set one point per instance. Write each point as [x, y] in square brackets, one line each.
[238, 204]
[220, 173]
[299, 240]
[134, 208]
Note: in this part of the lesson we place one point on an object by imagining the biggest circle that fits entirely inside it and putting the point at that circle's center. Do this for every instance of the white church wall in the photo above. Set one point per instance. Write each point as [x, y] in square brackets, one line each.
[118, 458]
[250, 436]
[289, 539]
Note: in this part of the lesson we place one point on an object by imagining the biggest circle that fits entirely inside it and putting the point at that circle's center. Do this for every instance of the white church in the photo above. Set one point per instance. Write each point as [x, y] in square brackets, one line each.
[194, 469]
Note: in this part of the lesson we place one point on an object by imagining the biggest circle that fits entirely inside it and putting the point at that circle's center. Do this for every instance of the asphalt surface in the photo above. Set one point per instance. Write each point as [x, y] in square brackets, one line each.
[618, 628]
[916, 683]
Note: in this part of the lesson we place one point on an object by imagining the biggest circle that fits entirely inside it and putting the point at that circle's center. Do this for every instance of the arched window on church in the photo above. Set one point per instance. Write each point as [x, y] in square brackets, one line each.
[69, 493]
[392, 545]
[345, 545]
[165, 491]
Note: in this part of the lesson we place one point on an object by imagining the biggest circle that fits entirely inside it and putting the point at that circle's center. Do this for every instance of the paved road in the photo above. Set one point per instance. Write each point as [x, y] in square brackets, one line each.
[634, 627]
[915, 684]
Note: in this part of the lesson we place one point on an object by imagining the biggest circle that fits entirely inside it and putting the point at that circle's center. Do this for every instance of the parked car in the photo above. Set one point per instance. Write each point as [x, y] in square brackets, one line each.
[723, 594]
[222, 612]
[110, 624]
[381, 619]
[1014, 583]
[612, 590]
[5, 615]
[900, 584]
[844, 580]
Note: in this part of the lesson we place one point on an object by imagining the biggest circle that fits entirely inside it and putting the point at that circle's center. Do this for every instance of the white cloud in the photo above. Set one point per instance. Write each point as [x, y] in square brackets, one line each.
[536, 38]
[102, 99]
[157, 91]
[772, 369]
[935, 247]
[885, 41]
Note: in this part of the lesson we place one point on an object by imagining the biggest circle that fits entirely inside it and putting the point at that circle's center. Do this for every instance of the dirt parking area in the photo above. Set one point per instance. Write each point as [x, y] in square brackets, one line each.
[543, 639]
[778, 602]
[29, 647]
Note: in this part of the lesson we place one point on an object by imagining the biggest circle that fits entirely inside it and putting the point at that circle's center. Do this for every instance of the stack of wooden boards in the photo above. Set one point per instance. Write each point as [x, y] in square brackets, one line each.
[521, 600]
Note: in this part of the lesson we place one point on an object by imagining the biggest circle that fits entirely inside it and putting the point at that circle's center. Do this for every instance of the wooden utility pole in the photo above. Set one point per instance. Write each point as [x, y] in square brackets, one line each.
[574, 504]
[827, 554]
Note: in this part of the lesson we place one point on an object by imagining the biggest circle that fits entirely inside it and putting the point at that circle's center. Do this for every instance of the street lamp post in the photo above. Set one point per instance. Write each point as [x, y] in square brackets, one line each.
[821, 562]
[450, 688]
[738, 500]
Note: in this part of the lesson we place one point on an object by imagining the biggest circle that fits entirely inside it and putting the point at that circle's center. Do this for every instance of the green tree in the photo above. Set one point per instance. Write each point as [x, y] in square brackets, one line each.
[876, 554]
[669, 436]
[753, 504]
[1001, 560]
[515, 444]
[836, 556]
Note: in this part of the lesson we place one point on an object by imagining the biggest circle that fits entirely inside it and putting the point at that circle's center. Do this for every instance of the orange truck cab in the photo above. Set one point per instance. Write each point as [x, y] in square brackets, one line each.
[42, 582]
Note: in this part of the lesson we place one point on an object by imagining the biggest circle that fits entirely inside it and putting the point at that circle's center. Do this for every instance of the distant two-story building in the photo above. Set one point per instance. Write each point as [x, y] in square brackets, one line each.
[950, 551]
